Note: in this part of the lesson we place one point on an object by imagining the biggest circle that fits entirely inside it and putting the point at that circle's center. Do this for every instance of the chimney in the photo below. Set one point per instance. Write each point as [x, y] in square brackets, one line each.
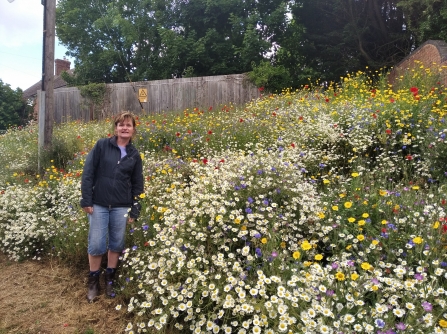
[61, 66]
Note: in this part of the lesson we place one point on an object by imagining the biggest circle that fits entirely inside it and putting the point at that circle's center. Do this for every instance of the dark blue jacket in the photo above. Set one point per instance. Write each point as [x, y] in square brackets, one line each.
[108, 180]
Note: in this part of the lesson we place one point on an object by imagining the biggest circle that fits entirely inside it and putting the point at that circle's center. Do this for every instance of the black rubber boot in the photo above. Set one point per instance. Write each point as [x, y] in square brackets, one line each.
[110, 281]
[93, 288]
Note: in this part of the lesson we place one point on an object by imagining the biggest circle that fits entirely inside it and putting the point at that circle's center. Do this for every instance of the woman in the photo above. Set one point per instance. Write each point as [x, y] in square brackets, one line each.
[112, 181]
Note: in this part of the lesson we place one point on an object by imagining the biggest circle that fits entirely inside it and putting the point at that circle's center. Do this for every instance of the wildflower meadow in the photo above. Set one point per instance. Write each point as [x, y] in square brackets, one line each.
[310, 211]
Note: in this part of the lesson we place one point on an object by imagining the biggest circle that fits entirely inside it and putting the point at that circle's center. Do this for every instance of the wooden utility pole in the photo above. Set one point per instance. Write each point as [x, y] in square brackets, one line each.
[49, 31]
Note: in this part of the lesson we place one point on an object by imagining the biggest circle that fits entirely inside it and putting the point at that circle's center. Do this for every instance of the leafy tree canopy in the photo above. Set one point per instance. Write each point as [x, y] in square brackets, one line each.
[14, 110]
[116, 41]
[136, 40]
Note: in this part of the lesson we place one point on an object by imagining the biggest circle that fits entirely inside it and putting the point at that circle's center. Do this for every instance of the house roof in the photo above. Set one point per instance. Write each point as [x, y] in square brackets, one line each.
[58, 83]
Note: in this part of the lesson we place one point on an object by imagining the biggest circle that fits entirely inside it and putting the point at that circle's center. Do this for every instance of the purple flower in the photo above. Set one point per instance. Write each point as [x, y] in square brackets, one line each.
[258, 252]
[248, 210]
[274, 254]
[257, 235]
[134, 248]
[419, 277]
[427, 306]
[250, 200]
[145, 227]
[401, 326]
[334, 265]
[380, 323]
[330, 292]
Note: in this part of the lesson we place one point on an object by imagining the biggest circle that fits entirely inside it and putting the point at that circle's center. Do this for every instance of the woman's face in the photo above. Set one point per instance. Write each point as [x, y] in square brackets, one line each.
[124, 130]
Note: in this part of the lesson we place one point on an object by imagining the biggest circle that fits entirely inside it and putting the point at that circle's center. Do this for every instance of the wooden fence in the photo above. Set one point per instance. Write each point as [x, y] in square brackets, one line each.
[162, 96]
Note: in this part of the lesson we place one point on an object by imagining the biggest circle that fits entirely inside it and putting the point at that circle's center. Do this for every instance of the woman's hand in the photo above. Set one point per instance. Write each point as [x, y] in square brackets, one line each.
[88, 209]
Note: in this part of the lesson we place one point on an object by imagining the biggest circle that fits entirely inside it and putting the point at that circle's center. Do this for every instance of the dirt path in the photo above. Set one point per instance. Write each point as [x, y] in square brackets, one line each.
[48, 298]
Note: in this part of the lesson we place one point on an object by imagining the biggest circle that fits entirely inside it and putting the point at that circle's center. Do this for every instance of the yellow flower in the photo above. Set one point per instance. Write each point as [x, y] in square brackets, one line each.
[283, 244]
[436, 225]
[264, 240]
[360, 237]
[354, 276]
[342, 195]
[415, 187]
[142, 195]
[365, 266]
[365, 215]
[340, 276]
[326, 181]
[417, 240]
[361, 222]
[296, 255]
[318, 257]
[307, 263]
[243, 228]
[443, 323]
[348, 205]
[321, 215]
[355, 174]
[335, 208]
[306, 245]
[383, 192]
[142, 156]
[351, 219]
[375, 242]
[384, 222]
[237, 221]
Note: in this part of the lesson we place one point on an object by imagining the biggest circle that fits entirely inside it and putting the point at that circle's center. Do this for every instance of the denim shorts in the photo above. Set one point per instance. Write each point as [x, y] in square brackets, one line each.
[107, 229]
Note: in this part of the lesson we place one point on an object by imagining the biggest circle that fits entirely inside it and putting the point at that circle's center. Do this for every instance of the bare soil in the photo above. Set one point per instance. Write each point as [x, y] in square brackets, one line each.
[50, 298]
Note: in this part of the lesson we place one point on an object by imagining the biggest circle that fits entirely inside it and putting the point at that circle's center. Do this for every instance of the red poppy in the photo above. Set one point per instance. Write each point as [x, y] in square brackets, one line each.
[326, 99]
[205, 161]
[443, 201]
[210, 132]
[409, 157]
[444, 228]
[293, 145]
[388, 131]
[177, 134]
[241, 120]
[414, 90]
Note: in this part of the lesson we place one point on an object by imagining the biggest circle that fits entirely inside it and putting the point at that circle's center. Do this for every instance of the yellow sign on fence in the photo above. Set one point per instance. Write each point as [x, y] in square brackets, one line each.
[142, 94]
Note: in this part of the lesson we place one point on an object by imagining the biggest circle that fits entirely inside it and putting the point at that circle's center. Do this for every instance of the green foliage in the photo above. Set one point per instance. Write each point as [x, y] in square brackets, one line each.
[118, 41]
[14, 111]
[272, 78]
[426, 19]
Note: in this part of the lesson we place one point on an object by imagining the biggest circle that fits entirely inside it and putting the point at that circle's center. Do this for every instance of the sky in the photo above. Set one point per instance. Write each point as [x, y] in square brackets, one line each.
[21, 48]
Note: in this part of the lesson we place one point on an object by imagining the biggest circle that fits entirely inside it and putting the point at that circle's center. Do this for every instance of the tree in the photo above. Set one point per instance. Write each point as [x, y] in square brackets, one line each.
[426, 19]
[342, 36]
[14, 110]
[117, 40]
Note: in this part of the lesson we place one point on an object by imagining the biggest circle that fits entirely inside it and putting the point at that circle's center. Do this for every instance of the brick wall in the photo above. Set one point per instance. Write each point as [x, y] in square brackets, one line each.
[432, 54]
